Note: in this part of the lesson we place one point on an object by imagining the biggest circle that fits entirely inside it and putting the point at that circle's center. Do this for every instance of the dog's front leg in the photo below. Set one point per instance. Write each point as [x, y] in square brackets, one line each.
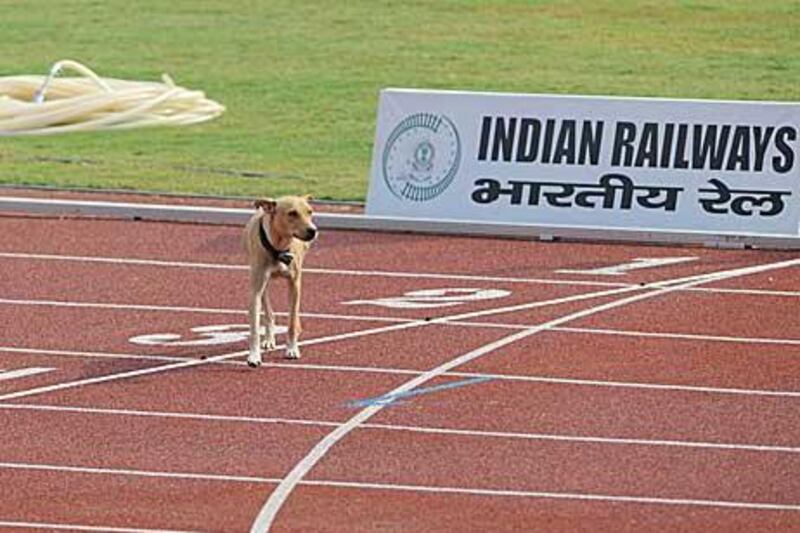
[292, 348]
[268, 342]
[258, 282]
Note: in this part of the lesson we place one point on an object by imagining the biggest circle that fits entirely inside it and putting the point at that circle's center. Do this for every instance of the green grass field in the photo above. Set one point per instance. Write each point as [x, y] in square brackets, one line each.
[300, 79]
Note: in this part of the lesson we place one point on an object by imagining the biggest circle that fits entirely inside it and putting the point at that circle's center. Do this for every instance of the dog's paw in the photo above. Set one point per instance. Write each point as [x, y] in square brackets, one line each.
[268, 337]
[254, 360]
[268, 342]
[292, 351]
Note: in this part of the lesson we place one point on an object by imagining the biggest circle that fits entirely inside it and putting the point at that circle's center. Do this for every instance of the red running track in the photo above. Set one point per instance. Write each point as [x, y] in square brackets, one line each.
[125, 403]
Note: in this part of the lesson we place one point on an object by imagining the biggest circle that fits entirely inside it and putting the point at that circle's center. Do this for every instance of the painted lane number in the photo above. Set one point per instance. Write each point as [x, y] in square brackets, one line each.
[637, 264]
[202, 336]
[431, 298]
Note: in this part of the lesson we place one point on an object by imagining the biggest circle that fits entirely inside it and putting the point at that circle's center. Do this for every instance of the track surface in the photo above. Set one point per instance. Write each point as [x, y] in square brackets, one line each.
[620, 403]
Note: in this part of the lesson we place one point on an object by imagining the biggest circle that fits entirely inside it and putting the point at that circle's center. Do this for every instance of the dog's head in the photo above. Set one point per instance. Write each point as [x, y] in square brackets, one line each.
[290, 215]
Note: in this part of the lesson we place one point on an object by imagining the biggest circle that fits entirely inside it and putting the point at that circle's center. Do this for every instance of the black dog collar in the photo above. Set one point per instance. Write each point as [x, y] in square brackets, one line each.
[284, 256]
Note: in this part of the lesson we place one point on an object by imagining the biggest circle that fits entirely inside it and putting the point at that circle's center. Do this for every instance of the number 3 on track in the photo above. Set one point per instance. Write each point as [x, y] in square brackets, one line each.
[203, 336]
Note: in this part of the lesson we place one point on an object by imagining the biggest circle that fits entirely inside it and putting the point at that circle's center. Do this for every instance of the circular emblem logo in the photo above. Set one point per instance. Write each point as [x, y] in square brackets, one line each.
[421, 157]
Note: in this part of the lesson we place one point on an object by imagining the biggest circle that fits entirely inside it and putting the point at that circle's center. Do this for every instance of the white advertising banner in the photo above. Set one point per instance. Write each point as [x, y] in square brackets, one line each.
[626, 163]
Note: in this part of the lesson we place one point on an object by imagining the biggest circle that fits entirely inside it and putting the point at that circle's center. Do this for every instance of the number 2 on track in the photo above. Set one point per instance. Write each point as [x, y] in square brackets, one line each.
[432, 298]
[637, 264]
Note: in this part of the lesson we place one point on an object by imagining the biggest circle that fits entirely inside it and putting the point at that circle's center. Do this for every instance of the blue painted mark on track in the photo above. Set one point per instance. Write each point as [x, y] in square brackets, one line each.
[392, 399]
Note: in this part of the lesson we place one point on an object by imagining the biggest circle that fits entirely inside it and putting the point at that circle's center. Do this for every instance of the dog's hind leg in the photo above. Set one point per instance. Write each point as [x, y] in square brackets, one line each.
[292, 349]
[268, 341]
[258, 284]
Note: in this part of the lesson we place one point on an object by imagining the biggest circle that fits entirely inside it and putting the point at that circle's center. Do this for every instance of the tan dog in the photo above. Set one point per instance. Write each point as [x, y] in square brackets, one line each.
[276, 239]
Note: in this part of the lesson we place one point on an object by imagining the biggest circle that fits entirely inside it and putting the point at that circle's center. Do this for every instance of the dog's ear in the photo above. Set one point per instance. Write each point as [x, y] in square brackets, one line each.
[267, 204]
[308, 197]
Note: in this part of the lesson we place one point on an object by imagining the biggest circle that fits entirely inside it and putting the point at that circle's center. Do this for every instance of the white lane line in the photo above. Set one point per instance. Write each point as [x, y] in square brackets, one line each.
[133, 472]
[682, 336]
[121, 307]
[746, 292]
[761, 506]
[272, 506]
[381, 273]
[79, 527]
[582, 439]
[764, 448]
[116, 377]
[765, 506]
[185, 309]
[329, 271]
[121, 261]
[91, 355]
[166, 414]
[631, 385]
[23, 372]
[668, 387]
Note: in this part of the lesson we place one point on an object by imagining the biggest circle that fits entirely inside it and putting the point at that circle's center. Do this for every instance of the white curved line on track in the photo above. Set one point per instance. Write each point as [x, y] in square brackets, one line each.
[278, 497]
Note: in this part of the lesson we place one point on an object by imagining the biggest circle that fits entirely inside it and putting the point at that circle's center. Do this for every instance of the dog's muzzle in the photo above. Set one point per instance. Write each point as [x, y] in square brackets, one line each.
[310, 235]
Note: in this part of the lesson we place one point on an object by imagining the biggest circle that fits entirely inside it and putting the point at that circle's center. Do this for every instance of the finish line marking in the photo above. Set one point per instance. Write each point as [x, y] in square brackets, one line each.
[391, 399]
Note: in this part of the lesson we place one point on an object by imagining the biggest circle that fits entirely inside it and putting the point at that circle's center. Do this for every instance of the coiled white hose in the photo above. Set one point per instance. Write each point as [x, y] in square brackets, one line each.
[45, 105]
